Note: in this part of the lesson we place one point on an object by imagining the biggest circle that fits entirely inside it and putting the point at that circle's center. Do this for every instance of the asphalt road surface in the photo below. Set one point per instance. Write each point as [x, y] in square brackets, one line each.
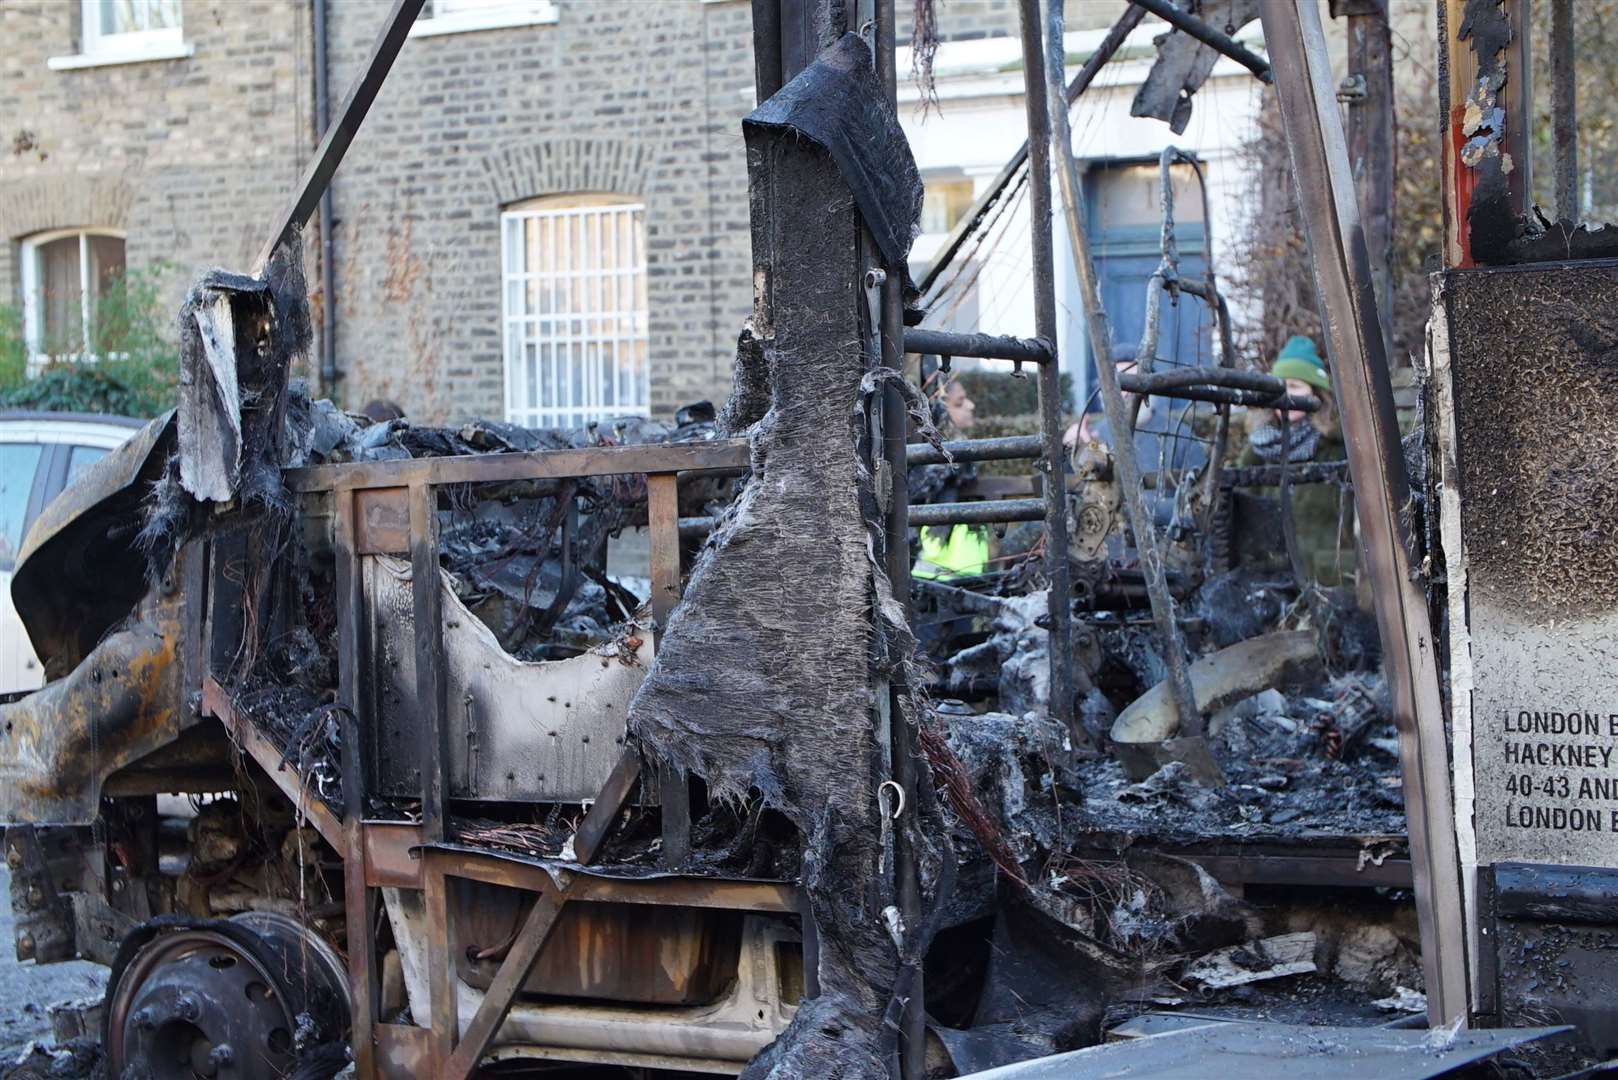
[26, 990]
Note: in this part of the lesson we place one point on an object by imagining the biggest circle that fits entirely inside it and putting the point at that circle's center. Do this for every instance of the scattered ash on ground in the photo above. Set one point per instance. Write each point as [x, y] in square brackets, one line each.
[1287, 777]
[28, 990]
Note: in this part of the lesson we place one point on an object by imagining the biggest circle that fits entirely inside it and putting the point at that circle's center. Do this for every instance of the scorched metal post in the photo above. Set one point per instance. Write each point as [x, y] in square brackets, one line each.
[1054, 465]
[1331, 219]
[895, 434]
[1095, 319]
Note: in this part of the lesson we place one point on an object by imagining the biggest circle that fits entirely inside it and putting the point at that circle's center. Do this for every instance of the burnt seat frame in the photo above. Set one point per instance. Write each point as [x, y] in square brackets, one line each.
[390, 508]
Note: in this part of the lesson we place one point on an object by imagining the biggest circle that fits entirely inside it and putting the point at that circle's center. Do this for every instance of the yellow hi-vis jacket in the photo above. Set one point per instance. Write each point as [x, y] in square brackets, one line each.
[964, 553]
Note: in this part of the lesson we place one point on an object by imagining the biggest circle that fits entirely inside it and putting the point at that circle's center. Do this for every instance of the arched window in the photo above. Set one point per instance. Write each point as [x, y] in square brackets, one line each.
[575, 311]
[65, 273]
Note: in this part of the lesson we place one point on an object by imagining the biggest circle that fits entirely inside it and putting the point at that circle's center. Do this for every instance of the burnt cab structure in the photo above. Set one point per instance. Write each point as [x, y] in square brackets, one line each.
[404, 845]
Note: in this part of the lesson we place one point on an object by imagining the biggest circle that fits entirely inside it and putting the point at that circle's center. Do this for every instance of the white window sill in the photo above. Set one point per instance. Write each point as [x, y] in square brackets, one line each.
[526, 15]
[168, 51]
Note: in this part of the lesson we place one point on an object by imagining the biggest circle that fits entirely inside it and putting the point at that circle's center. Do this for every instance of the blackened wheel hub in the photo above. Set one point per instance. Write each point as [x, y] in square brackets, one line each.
[240, 998]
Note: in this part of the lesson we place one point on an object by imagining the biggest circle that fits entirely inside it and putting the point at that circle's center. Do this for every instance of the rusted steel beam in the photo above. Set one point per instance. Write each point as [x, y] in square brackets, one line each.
[689, 892]
[490, 867]
[216, 702]
[381, 521]
[443, 1011]
[427, 604]
[390, 857]
[317, 176]
[720, 454]
[359, 899]
[663, 522]
[603, 813]
[515, 872]
[1330, 213]
[514, 969]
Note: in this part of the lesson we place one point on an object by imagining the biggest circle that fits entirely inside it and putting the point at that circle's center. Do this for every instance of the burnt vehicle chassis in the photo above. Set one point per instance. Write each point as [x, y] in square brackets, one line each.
[632, 965]
[732, 995]
[426, 738]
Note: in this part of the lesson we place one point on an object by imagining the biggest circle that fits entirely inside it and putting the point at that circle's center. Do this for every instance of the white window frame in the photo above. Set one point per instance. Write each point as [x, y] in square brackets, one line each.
[573, 405]
[97, 49]
[446, 19]
[33, 319]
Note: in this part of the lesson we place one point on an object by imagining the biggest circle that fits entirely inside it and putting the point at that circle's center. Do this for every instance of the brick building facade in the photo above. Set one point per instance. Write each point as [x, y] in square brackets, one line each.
[507, 132]
[187, 158]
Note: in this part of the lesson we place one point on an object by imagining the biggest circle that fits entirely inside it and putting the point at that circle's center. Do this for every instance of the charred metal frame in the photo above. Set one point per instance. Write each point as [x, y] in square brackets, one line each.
[1483, 61]
[391, 508]
[337, 137]
[1099, 59]
[1221, 43]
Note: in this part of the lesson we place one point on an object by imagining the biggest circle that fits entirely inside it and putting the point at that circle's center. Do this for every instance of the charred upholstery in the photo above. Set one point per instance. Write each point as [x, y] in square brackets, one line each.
[764, 676]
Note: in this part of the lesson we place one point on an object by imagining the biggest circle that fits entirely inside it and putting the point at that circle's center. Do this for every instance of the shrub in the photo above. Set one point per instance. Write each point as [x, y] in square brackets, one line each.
[136, 366]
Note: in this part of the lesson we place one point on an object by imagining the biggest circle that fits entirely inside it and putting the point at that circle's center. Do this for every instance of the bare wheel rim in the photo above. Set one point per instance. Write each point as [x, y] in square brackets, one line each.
[194, 1003]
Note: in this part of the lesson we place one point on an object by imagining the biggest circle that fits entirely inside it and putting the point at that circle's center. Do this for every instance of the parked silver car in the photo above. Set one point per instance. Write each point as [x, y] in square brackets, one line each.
[40, 454]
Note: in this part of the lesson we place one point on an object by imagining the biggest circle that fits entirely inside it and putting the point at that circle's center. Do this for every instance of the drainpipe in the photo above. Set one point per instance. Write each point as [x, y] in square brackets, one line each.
[328, 295]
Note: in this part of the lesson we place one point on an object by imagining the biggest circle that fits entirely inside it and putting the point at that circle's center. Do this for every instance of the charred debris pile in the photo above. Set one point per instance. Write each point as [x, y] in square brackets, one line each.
[528, 559]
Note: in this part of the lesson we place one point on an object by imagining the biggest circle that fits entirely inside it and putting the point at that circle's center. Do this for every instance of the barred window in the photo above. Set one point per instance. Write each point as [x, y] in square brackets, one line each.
[575, 311]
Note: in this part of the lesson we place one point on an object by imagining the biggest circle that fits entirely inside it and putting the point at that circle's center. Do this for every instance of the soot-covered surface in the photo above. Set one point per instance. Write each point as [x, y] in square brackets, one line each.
[763, 676]
[1536, 381]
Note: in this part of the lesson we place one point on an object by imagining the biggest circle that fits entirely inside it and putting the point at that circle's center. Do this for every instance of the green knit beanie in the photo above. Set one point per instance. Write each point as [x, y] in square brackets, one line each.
[1299, 360]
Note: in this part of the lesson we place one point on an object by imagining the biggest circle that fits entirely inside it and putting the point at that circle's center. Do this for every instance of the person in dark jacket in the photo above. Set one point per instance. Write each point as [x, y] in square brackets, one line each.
[1322, 515]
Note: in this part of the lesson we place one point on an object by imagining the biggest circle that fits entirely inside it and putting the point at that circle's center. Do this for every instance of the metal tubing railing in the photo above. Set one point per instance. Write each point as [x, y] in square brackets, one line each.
[1059, 133]
[1007, 448]
[980, 346]
[987, 512]
[1219, 395]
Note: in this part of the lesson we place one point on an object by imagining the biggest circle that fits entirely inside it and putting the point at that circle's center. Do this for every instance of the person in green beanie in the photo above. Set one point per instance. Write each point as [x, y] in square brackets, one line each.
[1322, 516]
